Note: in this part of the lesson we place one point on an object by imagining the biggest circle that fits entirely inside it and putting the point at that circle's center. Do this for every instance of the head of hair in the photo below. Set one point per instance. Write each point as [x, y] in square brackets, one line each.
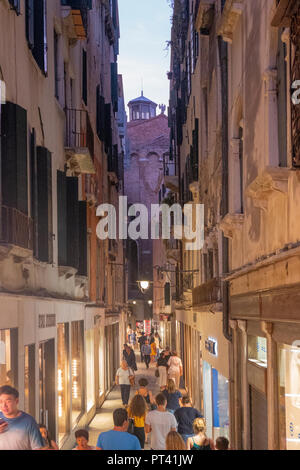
[120, 416]
[174, 353]
[160, 399]
[8, 390]
[186, 400]
[171, 387]
[138, 406]
[82, 433]
[143, 382]
[199, 425]
[222, 443]
[174, 441]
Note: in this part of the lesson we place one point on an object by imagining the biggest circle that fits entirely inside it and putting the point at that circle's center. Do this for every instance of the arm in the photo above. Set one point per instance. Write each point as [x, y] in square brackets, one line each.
[189, 444]
[147, 428]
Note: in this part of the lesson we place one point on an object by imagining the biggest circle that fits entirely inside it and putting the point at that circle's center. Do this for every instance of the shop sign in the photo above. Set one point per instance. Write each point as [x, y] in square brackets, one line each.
[211, 345]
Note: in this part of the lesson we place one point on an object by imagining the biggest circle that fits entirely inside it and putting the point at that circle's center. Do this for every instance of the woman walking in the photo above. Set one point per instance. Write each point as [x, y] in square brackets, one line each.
[200, 441]
[137, 411]
[173, 397]
[124, 378]
[153, 352]
[145, 393]
[162, 365]
[175, 368]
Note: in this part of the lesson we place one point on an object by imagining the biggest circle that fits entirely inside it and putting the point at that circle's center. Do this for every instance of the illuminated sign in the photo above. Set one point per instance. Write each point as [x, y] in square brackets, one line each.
[211, 345]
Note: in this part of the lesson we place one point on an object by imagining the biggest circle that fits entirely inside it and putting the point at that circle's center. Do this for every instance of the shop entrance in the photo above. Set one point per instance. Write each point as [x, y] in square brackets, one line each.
[47, 385]
[258, 420]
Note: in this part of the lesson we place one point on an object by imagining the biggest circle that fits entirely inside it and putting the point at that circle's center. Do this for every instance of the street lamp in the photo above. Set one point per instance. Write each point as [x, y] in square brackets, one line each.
[143, 286]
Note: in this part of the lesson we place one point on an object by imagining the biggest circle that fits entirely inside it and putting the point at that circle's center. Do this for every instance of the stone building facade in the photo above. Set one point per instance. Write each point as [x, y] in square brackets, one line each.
[63, 302]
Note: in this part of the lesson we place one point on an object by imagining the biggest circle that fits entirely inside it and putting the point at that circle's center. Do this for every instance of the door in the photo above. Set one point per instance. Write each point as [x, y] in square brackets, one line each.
[259, 420]
[47, 385]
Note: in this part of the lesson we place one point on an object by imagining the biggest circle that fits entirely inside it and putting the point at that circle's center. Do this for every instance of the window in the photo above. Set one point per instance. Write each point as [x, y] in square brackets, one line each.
[257, 350]
[9, 357]
[29, 380]
[44, 205]
[63, 379]
[77, 338]
[135, 113]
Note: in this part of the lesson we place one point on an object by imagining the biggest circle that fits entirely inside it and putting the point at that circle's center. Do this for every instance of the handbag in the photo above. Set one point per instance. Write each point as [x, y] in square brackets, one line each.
[130, 426]
[157, 373]
[132, 378]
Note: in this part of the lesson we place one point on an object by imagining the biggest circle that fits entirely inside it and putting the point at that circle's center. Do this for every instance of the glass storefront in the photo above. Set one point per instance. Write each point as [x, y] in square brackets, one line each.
[29, 380]
[216, 402]
[90, 370]
[63, 379]
[77, 329]
[9, 357]
[289, 397]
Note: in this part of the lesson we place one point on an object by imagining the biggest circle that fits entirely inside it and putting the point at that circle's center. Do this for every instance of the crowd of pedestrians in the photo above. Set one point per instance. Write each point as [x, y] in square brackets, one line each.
[169, 419]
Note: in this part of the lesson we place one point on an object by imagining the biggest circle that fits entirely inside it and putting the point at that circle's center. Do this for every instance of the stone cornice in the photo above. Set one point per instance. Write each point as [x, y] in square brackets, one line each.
[231, 224]
[204, 7]
[273, 180]
[228, 21]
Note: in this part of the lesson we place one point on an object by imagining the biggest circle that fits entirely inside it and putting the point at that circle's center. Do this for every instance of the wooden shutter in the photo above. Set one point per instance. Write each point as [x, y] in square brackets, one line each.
[72, 223]
[40, 44]
[14, 157]
[167, 294]
[34, 190]
[82, 208]
[84, 76]
[62, 218]
[29, 5]
[44, 187]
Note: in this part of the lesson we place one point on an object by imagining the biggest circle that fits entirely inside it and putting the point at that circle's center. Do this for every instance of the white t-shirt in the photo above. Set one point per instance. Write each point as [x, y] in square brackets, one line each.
[161, 424]
[124, 376]
[174, 365]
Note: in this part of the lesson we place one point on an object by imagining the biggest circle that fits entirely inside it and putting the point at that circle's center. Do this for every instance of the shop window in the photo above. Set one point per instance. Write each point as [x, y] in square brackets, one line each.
[90, 375]
[257, 350]
[9, 357]
[77, 329]
[63, 379]
[29, 380]
[289, 397]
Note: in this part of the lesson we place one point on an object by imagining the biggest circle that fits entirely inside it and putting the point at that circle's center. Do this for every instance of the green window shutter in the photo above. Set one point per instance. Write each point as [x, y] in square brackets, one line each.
[21, 148]
[82, 207]
[29, 7]
[62, 218]
[44, 190]
[72, 223]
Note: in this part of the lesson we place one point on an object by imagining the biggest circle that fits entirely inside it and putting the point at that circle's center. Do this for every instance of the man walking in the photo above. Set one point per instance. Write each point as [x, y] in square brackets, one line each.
[160, 422]
[141, 341]
[118, 438]
[129, 357]
[18, 430]
[185, 417]
[146, 351]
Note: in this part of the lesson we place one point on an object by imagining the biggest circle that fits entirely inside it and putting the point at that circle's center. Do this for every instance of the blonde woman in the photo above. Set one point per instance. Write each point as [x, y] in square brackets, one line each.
[200, 441]
[175, 368]
[174, 441]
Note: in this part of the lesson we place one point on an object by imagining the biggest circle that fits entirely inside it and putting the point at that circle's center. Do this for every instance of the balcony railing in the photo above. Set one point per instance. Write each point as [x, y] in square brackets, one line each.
[208, 293]
[79, 133]
[16, 228]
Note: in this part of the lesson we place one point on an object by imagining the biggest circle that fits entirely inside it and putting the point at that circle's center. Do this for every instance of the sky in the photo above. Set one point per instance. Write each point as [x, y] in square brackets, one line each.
[145, 27]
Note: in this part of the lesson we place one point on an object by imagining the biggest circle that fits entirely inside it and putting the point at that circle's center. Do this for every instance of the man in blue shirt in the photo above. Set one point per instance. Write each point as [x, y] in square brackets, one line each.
[118, 438]
[185, 417]
[146, 352]
[18, 430]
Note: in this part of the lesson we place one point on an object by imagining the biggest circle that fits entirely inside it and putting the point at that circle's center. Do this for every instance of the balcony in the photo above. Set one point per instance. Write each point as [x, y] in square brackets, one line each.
[79, 141]
[75, 17]
[208, 293]
[16, 228]
[172, 249]
[170, 174]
